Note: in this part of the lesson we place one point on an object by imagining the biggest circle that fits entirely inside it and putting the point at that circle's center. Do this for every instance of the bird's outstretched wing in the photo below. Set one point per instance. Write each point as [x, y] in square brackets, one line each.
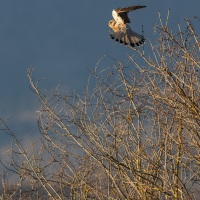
[128, 9]
[122, 13]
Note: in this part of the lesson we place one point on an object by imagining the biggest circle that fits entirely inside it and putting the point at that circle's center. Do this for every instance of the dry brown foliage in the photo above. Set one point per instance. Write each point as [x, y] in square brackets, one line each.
[134, 133]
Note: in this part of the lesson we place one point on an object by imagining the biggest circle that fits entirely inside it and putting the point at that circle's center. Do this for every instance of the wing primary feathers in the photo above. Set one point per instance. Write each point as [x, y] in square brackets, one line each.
[128, 9]
[123, 13]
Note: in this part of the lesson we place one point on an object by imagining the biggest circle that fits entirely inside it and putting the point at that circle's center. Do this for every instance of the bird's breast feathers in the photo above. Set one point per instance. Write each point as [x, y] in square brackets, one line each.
[119, 27]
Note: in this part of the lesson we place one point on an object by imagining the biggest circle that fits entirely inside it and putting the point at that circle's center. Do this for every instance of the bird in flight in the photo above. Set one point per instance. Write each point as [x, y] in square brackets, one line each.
[121, 31]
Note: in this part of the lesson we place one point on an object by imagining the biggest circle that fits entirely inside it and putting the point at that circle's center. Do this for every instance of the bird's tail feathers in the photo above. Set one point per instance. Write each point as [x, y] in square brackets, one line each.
[128, 37]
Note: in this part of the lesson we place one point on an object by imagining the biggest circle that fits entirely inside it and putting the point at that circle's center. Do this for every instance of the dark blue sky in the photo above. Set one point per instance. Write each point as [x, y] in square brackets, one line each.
[63, 40]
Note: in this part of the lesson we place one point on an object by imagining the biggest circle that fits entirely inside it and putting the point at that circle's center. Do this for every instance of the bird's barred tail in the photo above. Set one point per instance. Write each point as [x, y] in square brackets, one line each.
[128, 37]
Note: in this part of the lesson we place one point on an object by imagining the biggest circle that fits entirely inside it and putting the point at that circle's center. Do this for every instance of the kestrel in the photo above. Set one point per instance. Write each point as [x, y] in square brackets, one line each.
[122, 32]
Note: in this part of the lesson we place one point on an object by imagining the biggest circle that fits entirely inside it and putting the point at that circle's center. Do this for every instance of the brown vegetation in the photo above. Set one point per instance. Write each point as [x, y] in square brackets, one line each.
[134, 135]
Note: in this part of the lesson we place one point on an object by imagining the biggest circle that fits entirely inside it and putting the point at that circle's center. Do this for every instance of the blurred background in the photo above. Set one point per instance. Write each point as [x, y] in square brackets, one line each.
[63, 40]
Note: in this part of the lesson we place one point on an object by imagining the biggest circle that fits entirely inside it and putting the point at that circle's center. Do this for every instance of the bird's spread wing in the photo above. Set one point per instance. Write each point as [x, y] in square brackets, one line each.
[122, 12]
[128, 9]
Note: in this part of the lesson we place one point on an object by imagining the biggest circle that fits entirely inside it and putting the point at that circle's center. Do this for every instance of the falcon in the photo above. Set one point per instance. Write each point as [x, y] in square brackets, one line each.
[121, 31]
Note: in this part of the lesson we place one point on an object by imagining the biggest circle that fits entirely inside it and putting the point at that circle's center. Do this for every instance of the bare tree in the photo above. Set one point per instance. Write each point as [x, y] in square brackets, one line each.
[133, 134]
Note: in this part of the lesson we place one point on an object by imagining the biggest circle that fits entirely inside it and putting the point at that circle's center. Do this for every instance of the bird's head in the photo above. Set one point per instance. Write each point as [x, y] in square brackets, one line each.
[111, 23]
